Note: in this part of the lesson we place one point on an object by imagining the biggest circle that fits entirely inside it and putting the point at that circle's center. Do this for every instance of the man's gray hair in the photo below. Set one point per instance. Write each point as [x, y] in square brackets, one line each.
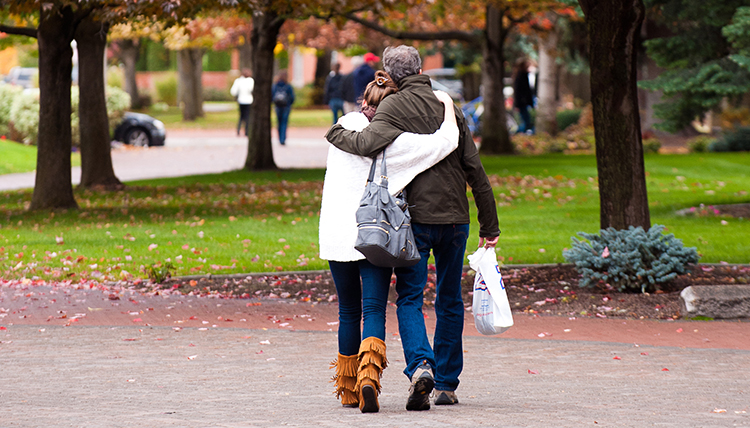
[401, 61]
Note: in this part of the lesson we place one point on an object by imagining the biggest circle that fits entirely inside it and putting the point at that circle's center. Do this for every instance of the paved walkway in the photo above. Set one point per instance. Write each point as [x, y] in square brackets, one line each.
[76, 358]
[154, 377]
[191, 152]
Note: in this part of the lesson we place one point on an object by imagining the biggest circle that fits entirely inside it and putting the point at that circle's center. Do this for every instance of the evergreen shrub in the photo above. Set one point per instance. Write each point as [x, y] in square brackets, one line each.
[629, 260]
[565, 118]
[737, 140]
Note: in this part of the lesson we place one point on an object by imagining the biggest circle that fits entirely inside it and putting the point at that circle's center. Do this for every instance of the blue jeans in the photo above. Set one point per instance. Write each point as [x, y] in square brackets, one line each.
[360, 300]
[448, 244]
[526, 124]
[336, 105]
[282, 116]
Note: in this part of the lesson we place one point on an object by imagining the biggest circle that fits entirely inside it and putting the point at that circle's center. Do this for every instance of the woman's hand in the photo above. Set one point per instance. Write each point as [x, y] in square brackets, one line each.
[446, 99]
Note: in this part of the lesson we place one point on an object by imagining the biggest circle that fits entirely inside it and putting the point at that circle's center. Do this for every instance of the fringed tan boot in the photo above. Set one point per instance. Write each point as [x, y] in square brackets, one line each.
[345, 379]
[372, 362]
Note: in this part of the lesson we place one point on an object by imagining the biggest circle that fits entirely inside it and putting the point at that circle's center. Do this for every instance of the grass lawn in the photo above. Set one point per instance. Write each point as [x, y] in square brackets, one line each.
[298, 118]
[16, 157]
[260, 222]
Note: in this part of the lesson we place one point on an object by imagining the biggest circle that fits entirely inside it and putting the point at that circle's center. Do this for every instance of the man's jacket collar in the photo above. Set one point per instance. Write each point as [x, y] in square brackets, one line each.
[415, 80]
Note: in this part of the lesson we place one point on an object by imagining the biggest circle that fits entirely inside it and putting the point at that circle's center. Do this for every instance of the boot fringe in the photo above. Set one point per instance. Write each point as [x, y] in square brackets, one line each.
[345, 365]
[345, 382]
[371, 358]
[372, 344]
[371, 373]
[345, 379]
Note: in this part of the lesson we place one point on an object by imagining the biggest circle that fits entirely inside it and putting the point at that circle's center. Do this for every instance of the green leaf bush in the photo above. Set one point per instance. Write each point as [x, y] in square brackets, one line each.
[24, 115]
[23, 111]
[7, 94]
[629, 260]
[700, 144]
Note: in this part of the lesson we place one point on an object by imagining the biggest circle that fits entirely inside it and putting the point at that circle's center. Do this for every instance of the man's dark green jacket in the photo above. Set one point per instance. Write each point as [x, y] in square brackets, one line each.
[438, 195]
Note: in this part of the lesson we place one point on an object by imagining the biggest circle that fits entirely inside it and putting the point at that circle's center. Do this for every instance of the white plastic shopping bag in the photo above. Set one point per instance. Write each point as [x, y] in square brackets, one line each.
[492, 314]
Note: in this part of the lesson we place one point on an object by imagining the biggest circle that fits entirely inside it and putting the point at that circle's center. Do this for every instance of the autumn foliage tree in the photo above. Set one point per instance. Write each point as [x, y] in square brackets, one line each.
[58, 23]
[479, 24]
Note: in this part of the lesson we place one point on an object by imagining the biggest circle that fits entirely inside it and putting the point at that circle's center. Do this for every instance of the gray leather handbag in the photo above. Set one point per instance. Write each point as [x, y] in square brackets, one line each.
[384, 233]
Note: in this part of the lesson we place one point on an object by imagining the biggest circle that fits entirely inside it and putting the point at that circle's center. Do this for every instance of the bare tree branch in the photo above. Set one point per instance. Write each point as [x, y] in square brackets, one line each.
[19, 31]
[417, 35]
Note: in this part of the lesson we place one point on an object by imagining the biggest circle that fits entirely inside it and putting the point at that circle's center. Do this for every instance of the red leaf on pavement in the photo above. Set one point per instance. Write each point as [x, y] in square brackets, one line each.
[617, 358]
[533, 371]
[679, 330]
[665, 370]
[3, 328]
[644, 353]
[130, 339]
[137, 320]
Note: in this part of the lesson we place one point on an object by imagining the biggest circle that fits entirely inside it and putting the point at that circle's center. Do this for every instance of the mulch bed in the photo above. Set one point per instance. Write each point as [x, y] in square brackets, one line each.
[543, 289]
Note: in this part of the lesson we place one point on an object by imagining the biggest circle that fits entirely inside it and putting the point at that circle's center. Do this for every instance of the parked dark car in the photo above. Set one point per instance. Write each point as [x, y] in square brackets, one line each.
[139, 129]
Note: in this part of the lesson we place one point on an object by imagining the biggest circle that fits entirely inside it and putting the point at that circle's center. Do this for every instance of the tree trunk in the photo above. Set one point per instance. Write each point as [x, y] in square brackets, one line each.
[495, 137]
[53, 188]
[190, 70]
[322, 69]
[546, 117]
[471, 82]
[96, 156]
[613, 29]
[266, 28]
[246, 54]
[130, 50]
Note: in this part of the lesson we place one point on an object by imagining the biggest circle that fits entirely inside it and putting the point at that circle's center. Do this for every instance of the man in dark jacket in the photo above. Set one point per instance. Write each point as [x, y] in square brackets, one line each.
[440, 219]
[332, 92]
[364, 74]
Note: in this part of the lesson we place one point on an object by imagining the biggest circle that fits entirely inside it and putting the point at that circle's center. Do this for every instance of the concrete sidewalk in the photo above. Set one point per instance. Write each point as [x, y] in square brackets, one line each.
[194, 152]
[102, 376]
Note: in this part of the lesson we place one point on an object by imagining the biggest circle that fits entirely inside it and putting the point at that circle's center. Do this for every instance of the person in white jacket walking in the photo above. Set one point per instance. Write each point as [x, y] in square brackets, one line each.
[242, 91]
[362, 287]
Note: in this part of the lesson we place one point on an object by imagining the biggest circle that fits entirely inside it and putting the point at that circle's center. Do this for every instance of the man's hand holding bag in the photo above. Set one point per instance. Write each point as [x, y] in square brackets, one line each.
[492, 314]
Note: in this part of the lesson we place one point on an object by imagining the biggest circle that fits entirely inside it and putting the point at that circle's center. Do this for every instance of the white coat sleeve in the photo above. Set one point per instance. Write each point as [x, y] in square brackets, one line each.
[411, 154]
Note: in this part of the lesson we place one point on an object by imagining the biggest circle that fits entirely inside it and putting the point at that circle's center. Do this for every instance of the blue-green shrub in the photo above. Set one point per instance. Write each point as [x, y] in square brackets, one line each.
[737, 140]
[629, 260]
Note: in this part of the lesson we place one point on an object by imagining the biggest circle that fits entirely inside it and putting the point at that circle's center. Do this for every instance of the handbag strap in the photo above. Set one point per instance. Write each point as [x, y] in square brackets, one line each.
[383, 170]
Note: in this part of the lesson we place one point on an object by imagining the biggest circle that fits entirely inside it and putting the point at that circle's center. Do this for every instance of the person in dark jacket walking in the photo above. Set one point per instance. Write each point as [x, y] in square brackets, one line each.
[440, 220]
[333, 92]
[523, 96]
[282, 96]
[364, 74]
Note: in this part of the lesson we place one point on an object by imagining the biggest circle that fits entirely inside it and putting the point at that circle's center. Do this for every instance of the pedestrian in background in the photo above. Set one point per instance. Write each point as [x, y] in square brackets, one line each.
[364, 74]
[332, 92]
[348, 92]
[523, 96]
[242, 91]
[282, 95]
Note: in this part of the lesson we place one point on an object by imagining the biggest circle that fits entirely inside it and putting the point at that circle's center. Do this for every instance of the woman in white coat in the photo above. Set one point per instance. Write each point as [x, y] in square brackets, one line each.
[361, 286]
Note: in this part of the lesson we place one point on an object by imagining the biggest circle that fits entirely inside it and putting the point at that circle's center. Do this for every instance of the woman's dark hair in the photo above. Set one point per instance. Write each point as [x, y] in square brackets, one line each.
[376, 90]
